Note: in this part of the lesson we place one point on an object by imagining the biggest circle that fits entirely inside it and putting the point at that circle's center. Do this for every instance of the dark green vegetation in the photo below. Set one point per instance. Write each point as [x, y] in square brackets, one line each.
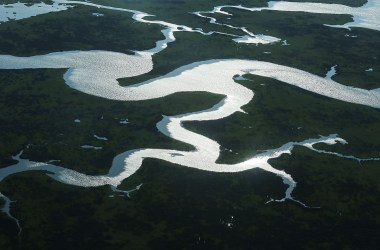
[77, 29]
[26, 1]
[181, 208]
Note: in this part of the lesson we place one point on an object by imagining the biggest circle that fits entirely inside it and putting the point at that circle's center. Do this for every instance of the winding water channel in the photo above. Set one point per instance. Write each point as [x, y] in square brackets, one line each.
[97, 73]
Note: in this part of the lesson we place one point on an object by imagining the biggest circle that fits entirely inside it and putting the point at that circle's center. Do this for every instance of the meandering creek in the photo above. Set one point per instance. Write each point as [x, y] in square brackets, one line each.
[97, 73]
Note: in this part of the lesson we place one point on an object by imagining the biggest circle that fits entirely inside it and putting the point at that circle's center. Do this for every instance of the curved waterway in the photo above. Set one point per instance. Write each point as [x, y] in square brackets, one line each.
[97, 73]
